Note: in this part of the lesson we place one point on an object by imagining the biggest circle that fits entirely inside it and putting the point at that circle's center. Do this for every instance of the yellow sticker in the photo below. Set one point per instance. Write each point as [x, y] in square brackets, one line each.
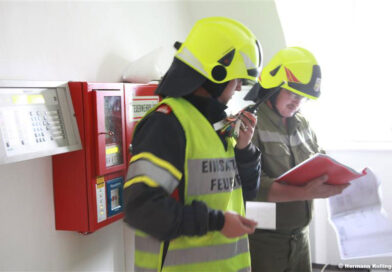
[100, 180]
[111, 150]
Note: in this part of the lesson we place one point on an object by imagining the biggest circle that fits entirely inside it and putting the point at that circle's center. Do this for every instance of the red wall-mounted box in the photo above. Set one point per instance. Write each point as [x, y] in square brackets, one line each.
[88, 183]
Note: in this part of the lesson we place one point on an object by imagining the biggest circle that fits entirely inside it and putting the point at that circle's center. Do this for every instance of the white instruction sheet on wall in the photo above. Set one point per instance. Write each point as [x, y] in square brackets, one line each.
[362, 227]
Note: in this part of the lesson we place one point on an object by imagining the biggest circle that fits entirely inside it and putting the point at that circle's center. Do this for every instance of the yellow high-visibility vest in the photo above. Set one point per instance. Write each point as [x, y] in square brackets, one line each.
[210, 176]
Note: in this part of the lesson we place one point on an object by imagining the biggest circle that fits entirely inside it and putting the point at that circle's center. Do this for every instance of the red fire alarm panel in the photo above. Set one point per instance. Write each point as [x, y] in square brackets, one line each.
[88, 183]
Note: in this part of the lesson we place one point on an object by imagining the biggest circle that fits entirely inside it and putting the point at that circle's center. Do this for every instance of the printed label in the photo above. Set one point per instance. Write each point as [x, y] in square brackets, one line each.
[140, 105]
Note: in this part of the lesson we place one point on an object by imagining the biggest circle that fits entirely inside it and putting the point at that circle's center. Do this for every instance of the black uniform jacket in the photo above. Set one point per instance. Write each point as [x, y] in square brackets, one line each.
[151, 209]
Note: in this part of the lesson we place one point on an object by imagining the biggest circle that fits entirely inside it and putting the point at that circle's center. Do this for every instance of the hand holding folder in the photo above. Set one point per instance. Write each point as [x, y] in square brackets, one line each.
[316, 166]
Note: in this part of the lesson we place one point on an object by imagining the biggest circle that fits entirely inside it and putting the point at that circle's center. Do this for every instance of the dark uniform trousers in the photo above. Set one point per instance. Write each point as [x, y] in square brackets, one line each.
[285, 251]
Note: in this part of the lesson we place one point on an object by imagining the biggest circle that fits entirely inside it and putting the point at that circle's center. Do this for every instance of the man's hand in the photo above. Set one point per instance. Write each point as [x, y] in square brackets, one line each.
[317, 188]
[247, 128]
[237, 225]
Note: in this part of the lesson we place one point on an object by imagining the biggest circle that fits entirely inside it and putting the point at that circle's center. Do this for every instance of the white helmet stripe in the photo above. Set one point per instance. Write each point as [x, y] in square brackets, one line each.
[186, 56]
[248, 62]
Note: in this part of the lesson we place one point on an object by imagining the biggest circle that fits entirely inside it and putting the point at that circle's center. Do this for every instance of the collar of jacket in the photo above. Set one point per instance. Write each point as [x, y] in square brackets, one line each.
[211, 108]
[278, 120]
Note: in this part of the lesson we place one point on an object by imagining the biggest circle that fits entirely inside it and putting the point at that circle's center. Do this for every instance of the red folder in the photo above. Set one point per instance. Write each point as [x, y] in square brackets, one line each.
[317, 166]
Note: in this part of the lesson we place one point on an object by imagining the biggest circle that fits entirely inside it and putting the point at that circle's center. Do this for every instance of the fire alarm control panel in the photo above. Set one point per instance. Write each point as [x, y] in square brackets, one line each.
[36, 119]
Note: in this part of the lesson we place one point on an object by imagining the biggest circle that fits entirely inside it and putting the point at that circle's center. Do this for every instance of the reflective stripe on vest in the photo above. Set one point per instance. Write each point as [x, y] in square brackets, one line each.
[147, 168]
[207, 253]
[211, 176]
[147, 253]
[161, 176]
[141, 269]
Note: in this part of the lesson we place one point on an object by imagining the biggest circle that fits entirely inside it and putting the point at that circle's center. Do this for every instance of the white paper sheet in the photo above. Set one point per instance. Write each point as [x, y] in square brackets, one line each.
[362, 228]
[264, 213]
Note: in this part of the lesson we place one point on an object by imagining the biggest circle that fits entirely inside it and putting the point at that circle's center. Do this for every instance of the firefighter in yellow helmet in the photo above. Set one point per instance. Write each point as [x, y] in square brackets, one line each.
[286, 139]
[186, 183]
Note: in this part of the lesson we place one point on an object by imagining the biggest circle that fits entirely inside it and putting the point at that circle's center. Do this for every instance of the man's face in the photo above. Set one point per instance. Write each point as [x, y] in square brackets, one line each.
[232, 86]
[288, 103]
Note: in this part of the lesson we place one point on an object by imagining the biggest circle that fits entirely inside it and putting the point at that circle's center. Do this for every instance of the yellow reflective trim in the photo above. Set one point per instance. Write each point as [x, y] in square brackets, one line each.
[143, 179]
[161, 163]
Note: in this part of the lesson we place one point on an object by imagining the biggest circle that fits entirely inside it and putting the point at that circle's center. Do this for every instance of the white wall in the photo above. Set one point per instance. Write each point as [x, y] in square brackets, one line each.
[83, 40]
[260, 16]
[326, 247]
[91, 41]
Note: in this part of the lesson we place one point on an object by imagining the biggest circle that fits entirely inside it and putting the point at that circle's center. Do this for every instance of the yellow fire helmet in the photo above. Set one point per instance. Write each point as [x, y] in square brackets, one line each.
[222, 49]
[294, 69]
[218, 49]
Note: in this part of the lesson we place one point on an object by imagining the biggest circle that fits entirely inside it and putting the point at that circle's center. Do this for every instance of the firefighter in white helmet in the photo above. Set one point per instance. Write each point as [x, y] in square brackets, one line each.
[186, 183]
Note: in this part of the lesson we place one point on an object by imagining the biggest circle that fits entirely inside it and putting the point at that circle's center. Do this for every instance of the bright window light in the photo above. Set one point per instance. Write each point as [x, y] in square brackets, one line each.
[352, 42]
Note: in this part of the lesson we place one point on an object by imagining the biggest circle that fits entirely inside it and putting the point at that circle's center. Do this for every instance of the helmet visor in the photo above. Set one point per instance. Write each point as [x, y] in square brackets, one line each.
[312, 89]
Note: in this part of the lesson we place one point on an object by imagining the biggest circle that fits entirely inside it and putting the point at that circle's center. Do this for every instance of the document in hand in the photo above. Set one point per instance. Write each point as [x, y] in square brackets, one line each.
[264, 213]
[362, 226]
[317, 166]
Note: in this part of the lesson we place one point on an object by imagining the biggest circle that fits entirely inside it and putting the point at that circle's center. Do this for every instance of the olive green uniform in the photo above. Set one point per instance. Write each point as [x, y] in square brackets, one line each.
[287, 247]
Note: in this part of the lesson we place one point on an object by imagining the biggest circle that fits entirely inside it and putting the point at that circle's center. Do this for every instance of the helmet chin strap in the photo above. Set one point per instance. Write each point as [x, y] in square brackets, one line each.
[214, 89]
[272, 99]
